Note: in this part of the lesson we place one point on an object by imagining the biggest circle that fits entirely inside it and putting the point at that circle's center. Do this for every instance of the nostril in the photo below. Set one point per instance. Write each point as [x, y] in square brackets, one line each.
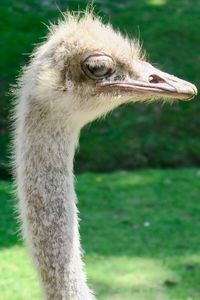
[156, 79]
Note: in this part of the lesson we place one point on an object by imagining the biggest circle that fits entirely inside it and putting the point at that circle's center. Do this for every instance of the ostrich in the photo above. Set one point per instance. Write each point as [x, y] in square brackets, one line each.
[83, 70]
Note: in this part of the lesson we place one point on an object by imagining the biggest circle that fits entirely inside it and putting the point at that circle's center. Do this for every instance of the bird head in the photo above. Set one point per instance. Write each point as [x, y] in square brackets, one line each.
[91, 68]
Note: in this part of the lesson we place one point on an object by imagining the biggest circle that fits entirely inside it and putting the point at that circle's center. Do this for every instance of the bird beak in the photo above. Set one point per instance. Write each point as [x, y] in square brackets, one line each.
[154, 83]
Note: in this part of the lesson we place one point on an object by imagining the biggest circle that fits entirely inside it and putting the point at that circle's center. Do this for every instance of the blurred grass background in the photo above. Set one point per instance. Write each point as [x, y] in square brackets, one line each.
[140, 230]
[142, 136]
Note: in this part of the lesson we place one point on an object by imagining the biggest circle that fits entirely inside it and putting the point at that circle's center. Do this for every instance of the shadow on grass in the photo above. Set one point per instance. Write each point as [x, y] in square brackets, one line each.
[9, 227]
[147, 213]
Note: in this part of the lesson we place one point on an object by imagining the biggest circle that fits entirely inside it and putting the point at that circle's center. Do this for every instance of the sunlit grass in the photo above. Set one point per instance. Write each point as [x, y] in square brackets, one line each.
[18, 279]
[126, 277]
[114, 277]
[156, 2]
[140, 233]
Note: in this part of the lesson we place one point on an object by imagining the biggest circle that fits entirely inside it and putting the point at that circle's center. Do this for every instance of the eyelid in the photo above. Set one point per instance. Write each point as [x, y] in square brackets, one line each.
[95, 54]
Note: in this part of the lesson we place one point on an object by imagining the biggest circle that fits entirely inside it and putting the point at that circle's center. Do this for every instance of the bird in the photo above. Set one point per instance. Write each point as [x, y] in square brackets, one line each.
[80, 72]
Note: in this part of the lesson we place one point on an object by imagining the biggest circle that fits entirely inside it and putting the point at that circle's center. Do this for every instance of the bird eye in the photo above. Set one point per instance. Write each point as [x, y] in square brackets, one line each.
[100, 71]
[98, 66]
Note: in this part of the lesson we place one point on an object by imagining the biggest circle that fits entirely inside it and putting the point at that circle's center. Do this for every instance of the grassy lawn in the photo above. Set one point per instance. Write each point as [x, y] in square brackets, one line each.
[140, 232]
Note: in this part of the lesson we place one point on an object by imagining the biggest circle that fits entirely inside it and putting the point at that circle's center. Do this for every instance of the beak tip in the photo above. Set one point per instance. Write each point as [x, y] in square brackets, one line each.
[195, 91]
[189, 91]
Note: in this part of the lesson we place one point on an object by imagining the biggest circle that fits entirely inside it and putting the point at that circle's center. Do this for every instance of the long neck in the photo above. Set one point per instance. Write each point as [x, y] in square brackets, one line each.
[44, 159]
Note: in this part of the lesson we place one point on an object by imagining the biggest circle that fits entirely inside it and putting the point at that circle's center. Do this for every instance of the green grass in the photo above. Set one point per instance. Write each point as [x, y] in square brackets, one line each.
[170, 31]
[140, 232]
